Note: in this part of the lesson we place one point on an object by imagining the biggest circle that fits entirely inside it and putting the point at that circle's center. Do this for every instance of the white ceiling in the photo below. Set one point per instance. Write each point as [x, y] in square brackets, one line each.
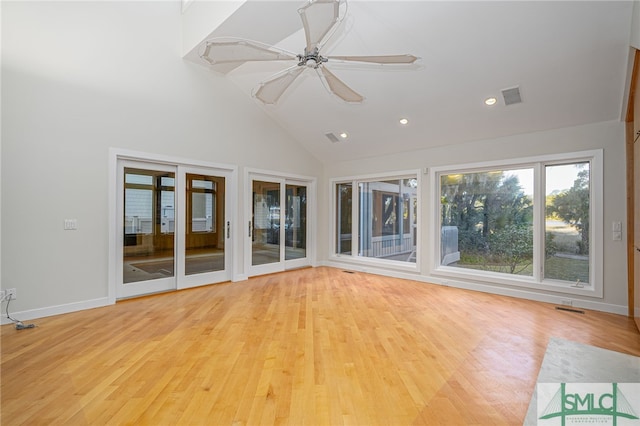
[570, 60]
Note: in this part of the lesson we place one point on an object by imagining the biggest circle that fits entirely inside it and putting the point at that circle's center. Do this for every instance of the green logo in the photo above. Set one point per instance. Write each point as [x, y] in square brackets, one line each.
[587, 403]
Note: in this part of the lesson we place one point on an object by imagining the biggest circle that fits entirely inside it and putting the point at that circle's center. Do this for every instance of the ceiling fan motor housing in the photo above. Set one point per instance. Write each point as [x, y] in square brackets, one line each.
[311, 59]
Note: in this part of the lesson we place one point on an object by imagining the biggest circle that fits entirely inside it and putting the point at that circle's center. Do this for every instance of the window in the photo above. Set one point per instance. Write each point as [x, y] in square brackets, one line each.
[531, 222]
[149, 200]
[487, 220]
[379, 221]
[567, 219]
[203, 203]
[343, 217]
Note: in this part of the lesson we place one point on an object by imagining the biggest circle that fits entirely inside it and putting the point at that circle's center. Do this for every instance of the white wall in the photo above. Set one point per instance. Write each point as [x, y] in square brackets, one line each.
[635, 25]
[609, 136]
[77, 79]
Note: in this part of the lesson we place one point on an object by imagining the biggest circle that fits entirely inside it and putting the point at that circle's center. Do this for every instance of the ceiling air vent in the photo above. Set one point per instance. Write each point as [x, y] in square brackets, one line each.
[333, 138]
[511, 96]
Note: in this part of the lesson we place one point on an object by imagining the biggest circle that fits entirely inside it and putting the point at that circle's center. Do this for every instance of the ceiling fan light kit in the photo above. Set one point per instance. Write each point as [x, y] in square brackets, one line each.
[320, 18]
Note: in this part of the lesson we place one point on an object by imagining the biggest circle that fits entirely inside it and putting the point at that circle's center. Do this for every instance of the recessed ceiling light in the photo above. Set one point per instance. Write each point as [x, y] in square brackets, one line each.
[490, 101]
[344, 135]
[403, 121]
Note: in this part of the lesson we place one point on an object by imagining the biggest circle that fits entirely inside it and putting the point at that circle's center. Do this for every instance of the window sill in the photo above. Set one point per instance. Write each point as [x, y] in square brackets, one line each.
[376, 263]
[530, 283]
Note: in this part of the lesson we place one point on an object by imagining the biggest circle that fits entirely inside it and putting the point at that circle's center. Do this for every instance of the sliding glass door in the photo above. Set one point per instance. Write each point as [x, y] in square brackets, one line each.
[206, 228]
[175, 227]
[295, 227]
[148, 229]
[278, 224]
[265, 238]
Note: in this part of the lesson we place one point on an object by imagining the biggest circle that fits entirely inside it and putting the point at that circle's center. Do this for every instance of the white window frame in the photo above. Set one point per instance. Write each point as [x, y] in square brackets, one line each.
[536, 281]
[355, 208]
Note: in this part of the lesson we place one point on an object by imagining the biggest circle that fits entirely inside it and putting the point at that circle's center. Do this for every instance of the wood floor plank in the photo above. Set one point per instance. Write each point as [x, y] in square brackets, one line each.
[313, 346]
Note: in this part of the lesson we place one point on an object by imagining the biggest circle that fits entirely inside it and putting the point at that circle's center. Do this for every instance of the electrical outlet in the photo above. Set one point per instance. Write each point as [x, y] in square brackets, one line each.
[567, 302]
[11, 294]
[2, 294]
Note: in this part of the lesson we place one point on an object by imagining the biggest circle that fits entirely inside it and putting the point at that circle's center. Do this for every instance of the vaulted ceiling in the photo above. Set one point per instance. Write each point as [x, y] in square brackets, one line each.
[569, 59]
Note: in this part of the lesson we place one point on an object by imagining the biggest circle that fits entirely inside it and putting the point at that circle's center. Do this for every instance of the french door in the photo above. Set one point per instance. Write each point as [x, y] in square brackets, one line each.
[278, 226]
[174, 227]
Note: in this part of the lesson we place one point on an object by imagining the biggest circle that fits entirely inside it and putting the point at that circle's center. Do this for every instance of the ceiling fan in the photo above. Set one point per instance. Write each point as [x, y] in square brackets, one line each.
[320, 18]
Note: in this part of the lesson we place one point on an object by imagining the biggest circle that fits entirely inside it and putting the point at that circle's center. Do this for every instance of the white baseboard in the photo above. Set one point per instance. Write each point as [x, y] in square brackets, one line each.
[482, 287]
[488, 288]
[55, 310]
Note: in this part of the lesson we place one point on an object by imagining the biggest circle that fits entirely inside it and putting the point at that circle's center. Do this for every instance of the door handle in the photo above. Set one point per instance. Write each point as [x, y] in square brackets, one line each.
[228, 229]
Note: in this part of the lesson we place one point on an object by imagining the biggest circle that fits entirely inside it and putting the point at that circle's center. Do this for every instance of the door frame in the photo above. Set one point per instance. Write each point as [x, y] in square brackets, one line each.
[310, 182]
[632, 132]
[114, 237]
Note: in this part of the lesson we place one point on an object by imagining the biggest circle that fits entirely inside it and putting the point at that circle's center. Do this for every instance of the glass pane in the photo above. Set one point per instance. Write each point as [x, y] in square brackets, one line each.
[567, 223]
[295, 224]
[204, 239]
[149, 223]
[139, 179]
[265, 246]
[487, 221]
[343, 218]
[387, 228]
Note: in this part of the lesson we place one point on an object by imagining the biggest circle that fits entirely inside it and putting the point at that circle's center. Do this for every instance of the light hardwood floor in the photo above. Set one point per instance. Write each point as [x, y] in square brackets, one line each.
[314, 346]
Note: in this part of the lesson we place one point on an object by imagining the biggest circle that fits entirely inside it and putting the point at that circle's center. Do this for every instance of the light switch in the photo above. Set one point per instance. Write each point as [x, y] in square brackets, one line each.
[617, 236]
[616, 227]
[70, 224]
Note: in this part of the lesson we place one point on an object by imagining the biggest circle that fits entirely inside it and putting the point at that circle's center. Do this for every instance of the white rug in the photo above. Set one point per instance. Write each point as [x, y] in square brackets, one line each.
[571, 362]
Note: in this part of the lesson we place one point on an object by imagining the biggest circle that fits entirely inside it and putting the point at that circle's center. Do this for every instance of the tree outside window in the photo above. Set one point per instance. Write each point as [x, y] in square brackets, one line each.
[493, 219]
[567, 222]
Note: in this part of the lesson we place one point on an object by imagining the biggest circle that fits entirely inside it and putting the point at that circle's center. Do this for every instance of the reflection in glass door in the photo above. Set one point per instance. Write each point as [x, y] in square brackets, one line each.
[148, 230]
[278, 225]
[205, 230]
[265, 238]
[295, 226]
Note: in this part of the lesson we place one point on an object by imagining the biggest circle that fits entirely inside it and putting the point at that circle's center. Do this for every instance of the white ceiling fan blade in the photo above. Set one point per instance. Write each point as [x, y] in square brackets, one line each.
[384, 59]
[270, 91]
[339, 88]
[319, 17]
[222, 52]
